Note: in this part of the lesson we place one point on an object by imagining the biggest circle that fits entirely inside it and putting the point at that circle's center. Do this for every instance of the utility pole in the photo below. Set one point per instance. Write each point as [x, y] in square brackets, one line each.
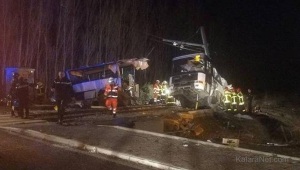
[204, 40]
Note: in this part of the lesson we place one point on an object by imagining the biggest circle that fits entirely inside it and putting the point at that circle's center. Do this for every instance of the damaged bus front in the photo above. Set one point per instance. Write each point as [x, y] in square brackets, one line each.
[195, 82]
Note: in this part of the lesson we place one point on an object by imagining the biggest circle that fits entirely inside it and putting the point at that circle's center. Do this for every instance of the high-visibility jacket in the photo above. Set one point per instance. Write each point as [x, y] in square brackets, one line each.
[111, 91]
[227, 95]
[240, 98]
[164, 89]
[156, 88]
[234, 98]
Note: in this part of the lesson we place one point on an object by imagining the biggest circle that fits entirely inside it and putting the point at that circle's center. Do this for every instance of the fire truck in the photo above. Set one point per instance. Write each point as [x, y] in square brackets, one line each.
[195, 82]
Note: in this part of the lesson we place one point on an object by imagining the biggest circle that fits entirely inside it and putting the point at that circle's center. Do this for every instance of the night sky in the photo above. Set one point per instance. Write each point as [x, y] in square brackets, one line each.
[264, 37]
[254, 44]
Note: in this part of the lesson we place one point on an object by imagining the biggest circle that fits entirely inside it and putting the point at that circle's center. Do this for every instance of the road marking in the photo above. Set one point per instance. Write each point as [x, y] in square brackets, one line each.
[197, 142]
[6, 120]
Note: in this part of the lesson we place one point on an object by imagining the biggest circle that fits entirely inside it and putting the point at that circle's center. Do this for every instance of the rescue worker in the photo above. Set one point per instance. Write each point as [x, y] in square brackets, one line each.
[241, 103]
[227, 99]
[249, 101]
[234, 100]
[111, 96]
[156, 91]
[63, 91]
[164, 92]
[23, 96]
[13, 94]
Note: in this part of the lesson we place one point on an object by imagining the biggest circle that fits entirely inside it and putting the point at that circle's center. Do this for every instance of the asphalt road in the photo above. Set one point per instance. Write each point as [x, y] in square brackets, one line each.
[19, 153]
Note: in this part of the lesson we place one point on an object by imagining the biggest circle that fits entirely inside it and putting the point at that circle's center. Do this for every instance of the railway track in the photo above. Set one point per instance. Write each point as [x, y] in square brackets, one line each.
[79, 112]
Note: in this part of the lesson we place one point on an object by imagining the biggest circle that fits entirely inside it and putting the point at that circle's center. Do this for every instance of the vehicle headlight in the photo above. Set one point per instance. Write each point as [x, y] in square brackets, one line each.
[168, 91]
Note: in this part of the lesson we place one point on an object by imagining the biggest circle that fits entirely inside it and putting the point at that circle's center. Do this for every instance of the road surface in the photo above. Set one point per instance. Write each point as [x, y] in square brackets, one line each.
[27, 154]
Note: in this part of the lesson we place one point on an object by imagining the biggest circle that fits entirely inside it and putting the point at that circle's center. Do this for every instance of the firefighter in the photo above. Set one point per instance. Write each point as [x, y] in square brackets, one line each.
[164, 92]
[23, 96]
[227, 99]
[111, 96]
[156, 91]
[13, 94]
[63, 90]
[234, 100]
[241, 103]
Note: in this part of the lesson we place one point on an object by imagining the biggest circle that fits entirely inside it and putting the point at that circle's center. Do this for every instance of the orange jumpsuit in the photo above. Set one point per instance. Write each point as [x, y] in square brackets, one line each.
[111, 93]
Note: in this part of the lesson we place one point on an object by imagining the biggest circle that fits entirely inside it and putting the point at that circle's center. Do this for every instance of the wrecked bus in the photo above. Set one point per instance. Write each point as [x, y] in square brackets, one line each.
[89, 82]
[195, 82]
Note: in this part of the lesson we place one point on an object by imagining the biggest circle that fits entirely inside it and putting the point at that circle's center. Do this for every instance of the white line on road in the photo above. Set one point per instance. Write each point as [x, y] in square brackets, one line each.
[202, 142]
[93, 149]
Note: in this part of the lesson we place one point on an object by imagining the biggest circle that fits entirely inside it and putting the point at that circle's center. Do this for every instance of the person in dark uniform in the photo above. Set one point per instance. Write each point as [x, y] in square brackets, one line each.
[249, 100]
[23, 96]
[13, 94]
[63, 91]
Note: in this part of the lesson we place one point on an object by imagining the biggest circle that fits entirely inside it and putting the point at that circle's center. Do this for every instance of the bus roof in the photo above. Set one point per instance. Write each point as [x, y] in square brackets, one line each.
[121, 63]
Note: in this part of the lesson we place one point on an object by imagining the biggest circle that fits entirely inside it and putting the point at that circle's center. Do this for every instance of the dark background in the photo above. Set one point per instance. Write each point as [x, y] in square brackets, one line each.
[261, 43]
[254, 44]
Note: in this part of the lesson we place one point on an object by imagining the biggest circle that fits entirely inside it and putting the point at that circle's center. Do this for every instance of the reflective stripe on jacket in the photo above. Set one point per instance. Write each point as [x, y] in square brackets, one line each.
[164, 89]
[227, 95]
[156, 88]
[234, 98]
[241, 98]
[111, 91]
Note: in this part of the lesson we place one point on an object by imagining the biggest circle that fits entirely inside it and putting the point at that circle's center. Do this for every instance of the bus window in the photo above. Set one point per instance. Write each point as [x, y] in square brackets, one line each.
[126, 71]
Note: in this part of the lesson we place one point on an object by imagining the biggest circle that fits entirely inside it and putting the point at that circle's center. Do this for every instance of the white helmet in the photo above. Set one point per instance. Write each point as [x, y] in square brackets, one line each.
[110, 80]
[165, 82]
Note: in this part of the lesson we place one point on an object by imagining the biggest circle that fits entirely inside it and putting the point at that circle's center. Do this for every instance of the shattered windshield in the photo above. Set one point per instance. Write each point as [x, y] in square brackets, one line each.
[187, 65]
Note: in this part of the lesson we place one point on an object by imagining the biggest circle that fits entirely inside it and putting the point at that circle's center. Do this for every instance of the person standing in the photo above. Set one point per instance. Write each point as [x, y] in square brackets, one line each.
[111, 95]
[249, 100]
[227, 99]
[63, 90]
[13, 94]
[23, 96]
[164, 92]
[234, 100]
[156, 91]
